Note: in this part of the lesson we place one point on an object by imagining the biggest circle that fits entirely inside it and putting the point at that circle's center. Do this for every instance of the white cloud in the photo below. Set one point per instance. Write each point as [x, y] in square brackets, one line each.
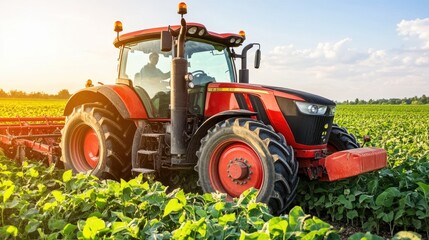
[339, 72]
[415, 28]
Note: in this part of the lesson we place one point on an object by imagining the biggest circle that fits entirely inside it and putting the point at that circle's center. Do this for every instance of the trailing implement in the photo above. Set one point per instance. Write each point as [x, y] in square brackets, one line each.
[178, 105]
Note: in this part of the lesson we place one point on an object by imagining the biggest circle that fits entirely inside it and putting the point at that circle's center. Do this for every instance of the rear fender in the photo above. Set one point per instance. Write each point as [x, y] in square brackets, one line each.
[195, 142]
[122, 97]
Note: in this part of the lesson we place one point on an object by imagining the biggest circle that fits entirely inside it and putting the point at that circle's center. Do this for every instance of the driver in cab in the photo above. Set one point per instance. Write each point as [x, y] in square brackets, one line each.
[151, 73]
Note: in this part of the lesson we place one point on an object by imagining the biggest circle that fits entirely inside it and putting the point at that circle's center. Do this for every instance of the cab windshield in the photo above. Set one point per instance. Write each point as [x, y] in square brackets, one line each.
[149, 68]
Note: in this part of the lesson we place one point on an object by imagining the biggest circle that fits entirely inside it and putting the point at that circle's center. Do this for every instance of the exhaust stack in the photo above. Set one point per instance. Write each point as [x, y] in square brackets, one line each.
[179, 93]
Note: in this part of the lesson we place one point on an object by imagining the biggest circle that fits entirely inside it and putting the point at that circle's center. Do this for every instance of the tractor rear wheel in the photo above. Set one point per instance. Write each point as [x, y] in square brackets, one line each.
[240, 153]
[96, 139]
[340, 139]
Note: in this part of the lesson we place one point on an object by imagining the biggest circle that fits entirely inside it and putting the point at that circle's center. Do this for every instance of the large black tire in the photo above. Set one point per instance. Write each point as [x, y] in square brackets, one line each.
[340, 139]
[98, 140]
[265, 161]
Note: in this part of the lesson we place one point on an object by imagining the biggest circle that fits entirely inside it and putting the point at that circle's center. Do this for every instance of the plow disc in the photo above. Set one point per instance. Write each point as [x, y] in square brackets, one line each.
[31, 136]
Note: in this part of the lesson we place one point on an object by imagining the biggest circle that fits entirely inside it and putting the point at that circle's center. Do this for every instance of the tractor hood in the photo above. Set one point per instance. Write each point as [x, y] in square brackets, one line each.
[308, 97]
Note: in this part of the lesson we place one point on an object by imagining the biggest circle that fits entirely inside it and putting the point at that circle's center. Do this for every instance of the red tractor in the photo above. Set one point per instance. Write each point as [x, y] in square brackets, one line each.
[178, 104]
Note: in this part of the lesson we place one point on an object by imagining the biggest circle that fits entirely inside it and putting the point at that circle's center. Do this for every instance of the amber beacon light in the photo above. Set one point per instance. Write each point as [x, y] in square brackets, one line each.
[242, 34]
[182, 8]
[118, 26]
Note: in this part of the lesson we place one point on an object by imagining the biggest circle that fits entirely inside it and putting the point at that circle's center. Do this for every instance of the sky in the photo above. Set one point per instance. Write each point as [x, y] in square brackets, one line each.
[339, 49]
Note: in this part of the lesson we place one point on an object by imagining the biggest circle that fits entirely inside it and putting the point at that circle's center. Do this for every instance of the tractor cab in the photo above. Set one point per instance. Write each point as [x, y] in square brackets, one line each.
[148, 69]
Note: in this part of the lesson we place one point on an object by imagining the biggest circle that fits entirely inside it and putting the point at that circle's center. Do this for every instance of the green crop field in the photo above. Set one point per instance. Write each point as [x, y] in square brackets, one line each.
[40, 202]
[31, 107]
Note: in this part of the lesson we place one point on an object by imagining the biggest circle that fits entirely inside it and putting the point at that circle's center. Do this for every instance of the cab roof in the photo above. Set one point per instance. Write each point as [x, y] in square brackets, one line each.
[227, 39]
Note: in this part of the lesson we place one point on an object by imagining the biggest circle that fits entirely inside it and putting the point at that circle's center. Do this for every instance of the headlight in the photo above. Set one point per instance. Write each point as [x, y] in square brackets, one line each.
[333, 109]
[192, 30]
[311, 108]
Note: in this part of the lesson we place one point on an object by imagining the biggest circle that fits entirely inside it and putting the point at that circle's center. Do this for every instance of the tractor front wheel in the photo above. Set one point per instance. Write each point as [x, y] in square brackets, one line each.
[240, 153]
[340, 139]
[97, 140]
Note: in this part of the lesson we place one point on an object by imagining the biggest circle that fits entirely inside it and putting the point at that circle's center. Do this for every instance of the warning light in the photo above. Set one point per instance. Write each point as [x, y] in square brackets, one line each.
[118, 26]
[242, 34]
[183, 9]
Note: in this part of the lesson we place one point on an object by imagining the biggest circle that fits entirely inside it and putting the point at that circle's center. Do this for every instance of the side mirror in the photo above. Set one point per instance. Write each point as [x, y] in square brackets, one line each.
[257, 58]
[166, 41]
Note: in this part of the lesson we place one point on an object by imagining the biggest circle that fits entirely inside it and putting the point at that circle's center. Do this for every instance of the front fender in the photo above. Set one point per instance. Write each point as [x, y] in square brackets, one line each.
[195, 142]
[122, 97]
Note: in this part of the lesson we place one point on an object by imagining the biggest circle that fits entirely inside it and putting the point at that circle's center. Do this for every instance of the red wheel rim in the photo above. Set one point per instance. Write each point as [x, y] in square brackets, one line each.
[235, 167]
[84, 148]
[91, 148]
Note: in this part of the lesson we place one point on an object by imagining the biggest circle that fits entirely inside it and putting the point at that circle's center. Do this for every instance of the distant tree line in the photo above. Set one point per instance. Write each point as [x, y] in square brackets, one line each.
[396, 101]
[63, 94]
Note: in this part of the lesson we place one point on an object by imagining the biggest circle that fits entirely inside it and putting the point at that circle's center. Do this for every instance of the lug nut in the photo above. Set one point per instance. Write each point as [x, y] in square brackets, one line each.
[250, 173]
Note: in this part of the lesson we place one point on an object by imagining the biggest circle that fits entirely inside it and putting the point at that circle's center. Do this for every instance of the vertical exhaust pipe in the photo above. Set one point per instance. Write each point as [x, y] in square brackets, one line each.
[179, 92]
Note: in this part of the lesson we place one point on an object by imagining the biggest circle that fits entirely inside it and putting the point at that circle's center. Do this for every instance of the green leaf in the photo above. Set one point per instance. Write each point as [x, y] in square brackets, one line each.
[314, 224]
[417, 224]
[56, 224]
[352, 214]
[121, 216]
[388, 217]
[33, 173]
[296, 219]
[172, 206]
[386, 198]
[92, 226]
[67, 176]
[372, 186]
[58, 195]
[12, 230]
[407, 235]
[254, 236]
[347, 203]
[69, 229]
[277, 227]
[13, 203]
[364, 198]
[201, 213]
[424, 188]
[32, 226]
[365, 236]
[225, 219]
[180, 195]
[118, 227]
[8, 192]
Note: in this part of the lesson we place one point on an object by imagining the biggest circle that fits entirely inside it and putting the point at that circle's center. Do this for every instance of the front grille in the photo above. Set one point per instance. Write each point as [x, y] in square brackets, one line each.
[307, 129]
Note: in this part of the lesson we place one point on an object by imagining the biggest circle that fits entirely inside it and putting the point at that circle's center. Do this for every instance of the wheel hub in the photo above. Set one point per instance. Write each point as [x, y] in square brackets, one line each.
[235, 167]
[238, 170]
[91, 148]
